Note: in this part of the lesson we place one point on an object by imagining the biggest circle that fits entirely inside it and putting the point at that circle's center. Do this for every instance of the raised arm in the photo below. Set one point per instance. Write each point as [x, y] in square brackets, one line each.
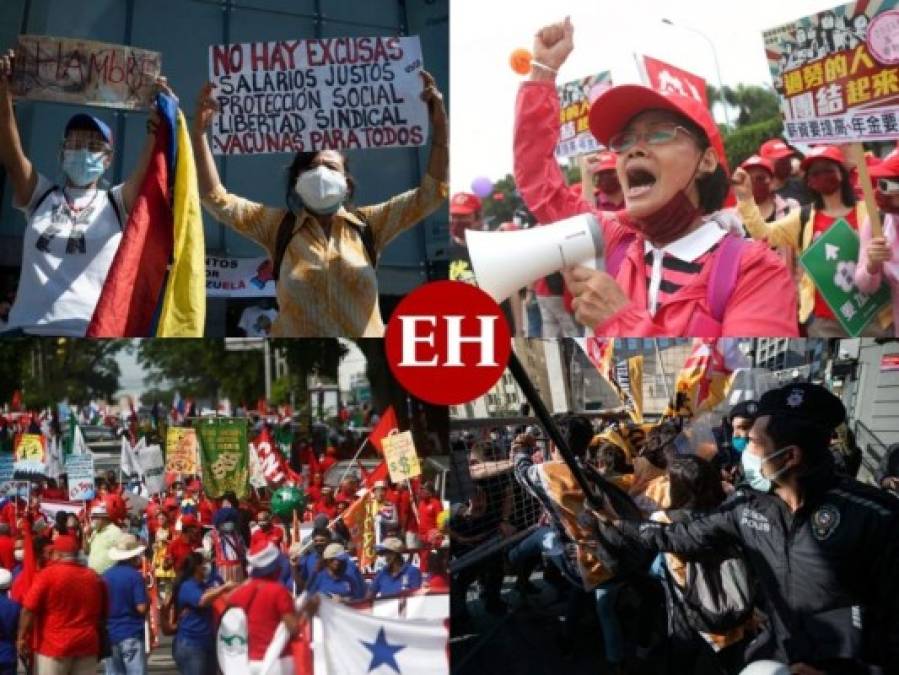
[21, 172]
[783, 232]
[207, 174]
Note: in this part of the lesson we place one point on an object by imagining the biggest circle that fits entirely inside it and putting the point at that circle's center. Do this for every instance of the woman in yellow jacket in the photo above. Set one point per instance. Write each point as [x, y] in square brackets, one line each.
[827, 178]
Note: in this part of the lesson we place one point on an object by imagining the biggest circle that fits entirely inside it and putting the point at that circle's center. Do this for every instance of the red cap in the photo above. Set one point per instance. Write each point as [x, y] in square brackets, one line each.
[830, 152]
[65, 543]
[615, 107]
[464, 203]
[775, 149]
[190, 520]
[888, 167]
[603, 161]
[759, 163]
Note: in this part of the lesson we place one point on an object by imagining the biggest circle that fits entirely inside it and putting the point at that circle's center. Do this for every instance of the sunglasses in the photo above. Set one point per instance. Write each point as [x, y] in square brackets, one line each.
[888, 186]
[659, 134]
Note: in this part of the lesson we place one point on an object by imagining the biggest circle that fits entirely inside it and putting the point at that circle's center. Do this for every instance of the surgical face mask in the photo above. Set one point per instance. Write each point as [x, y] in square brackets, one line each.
[825, 183]
[752, 470]
[322, 189]
[228, 526]
[783, 168]
[761, 190]
[179, 493]
[83, 167]
[670, 220]
[739, 443]
[886, 203]
[19, 554]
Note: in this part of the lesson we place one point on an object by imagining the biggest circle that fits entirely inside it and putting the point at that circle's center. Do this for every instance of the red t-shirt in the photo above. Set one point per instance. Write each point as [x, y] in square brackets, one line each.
[179, 550]
[68, 601]
[264, 601]
[7, 552]
[820, 226]
[428, 510]
[329, 510]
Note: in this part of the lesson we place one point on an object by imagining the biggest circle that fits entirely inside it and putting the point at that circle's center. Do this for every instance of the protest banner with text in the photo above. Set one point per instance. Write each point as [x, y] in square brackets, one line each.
[80, 469]
[239, 278]
[31, 455]
[575, 98]
[69, 70]
[181, 450]
[836, 75]
[318, 94]
[401, 457]
[225, 456]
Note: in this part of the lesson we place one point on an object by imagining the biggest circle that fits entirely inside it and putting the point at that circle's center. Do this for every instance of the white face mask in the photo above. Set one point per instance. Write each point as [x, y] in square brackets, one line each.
[321, 189]
[19, 554]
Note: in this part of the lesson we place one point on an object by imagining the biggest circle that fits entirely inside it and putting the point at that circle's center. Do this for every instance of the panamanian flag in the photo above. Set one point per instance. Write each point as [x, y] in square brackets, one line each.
[356, 643]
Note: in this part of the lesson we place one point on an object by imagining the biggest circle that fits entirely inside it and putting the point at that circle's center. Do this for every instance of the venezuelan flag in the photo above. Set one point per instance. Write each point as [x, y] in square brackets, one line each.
[142, 297]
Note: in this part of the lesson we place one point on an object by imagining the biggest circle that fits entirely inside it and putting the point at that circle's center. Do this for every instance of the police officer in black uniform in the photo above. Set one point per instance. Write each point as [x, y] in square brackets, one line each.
[824, 547]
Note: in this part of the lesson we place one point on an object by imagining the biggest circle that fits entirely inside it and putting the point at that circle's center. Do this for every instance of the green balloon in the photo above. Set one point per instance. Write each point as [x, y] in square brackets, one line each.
[286, 500]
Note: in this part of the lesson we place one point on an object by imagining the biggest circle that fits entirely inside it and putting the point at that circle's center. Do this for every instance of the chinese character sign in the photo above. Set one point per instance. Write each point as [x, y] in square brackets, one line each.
[830, 262]
[319, 94]
[837, 73]
[402, 460]
[575, 98]
[668, 79]
[81, 71]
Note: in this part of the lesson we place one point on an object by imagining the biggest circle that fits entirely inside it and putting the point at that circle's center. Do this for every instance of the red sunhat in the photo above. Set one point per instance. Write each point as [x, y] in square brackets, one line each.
[604, 161]
[758, 162]
[775, 149]
[888, 168]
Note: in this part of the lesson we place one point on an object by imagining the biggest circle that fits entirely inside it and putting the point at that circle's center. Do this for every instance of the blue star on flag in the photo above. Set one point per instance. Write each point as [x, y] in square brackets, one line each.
[382, 652]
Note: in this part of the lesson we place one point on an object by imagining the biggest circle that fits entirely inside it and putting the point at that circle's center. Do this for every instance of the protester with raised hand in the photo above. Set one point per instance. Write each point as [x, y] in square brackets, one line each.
[324, 248]
[680, 275]
[74, 227]
[827, 178]
[878, 259]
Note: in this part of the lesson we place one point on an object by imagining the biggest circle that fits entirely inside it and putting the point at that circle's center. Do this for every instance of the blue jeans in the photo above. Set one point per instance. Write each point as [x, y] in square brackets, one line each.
[192, 658]
[606, 596]
[128, 658]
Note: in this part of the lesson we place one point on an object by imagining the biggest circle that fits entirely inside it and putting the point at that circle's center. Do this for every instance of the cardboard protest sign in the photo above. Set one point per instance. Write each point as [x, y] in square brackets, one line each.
[225, 456]
[836, 75]
[318, 94]
[69, 70]
[402, 460]
[239, 278]
[152, 468]
[181, 450]
[81, 476]
[31, 455]
[7, 484]
[830, 261]
[668, 79]
[575, 98]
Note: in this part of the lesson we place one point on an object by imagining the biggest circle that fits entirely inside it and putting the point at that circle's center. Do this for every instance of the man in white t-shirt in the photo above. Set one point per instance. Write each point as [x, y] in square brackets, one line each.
[74, 228]
[256, 321]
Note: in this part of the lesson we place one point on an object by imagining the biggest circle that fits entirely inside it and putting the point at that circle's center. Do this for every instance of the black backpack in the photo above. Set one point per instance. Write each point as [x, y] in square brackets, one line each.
[286, 232]
[719, 592]
[112, 203]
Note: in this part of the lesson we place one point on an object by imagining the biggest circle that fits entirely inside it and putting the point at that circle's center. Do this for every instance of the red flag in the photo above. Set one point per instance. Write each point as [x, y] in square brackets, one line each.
[378, 473]
[274, 467]
[387, 426]
[136, 279]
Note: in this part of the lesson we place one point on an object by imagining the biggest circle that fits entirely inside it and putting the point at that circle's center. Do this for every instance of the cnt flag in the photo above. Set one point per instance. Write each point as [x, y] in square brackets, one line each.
[356, 642]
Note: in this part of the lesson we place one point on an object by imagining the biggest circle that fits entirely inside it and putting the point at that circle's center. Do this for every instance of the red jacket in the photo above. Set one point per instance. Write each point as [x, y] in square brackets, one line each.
[763, 301]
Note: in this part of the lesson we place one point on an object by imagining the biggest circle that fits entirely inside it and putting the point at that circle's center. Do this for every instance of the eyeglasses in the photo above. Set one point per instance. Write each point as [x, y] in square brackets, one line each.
[93, 146]
[888, 186]
[659, 134]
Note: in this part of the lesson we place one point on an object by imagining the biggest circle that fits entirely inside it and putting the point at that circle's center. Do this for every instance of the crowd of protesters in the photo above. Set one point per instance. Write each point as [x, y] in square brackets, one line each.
[710, 548]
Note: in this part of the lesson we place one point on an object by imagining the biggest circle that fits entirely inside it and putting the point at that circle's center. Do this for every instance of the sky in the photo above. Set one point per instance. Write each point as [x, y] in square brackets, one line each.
[131, 380]
[483, 33]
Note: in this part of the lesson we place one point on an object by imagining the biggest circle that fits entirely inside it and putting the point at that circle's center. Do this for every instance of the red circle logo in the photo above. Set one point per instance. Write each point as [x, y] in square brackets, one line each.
[447, 342]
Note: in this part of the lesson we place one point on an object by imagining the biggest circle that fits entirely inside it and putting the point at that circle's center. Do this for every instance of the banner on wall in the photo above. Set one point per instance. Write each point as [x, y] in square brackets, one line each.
[575, 98]
[835, 73]
[332, 93]
[67, 70]
[239, 278]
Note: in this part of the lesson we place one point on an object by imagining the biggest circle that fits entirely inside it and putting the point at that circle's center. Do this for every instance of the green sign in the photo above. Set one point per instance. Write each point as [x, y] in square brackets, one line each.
[224, 454]
[830, 261]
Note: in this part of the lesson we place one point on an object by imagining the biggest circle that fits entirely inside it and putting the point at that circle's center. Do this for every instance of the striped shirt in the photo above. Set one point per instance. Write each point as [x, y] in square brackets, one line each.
[328, 287]
[670, 268]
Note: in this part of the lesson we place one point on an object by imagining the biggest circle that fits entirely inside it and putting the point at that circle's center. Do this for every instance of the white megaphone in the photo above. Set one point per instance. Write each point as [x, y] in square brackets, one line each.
[766, 668]
[506, 261]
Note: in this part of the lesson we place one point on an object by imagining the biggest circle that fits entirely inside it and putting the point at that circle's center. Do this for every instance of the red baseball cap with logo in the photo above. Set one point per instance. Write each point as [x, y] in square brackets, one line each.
[758, 162]
[604, 161]
[775, 149]
[464, 204]
[829, 152]
[614, 108]
[888, 167]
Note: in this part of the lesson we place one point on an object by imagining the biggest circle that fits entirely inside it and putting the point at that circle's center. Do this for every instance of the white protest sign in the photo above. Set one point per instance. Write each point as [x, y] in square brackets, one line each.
[81, 476]
[402, 460]
[152, 467]
[239, 278]
[331, 93]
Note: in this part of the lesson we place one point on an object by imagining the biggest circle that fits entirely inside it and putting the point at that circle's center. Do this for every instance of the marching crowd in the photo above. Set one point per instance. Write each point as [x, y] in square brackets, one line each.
[106, 582]
[700, 551]
[688, 249]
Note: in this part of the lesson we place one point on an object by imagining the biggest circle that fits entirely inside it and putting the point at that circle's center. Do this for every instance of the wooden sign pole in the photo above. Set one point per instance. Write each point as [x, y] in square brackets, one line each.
[857, 155]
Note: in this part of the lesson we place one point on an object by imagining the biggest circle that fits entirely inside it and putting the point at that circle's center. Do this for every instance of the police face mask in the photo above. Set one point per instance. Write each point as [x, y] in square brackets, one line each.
[322, 189]
[752, 470]
[83, 167]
